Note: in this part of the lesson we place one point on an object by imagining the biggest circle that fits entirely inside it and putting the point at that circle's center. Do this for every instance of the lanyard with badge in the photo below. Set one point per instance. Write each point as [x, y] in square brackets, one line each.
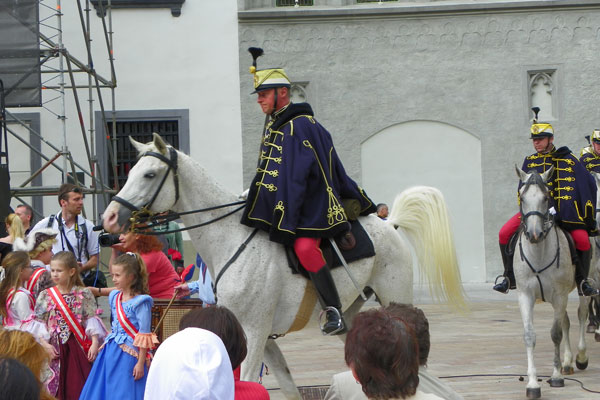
[63, 236]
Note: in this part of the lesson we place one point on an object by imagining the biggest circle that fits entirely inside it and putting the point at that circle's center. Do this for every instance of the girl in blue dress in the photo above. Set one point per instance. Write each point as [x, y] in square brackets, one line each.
[121, 368]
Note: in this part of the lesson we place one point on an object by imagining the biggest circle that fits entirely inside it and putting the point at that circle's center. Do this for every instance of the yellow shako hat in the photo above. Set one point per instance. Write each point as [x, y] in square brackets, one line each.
[540, 129]
[595, 136]
[266, 78]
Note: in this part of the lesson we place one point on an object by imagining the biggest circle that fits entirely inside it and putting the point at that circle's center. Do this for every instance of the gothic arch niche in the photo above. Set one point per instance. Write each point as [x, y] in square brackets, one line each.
[433, 154]
[542, 93]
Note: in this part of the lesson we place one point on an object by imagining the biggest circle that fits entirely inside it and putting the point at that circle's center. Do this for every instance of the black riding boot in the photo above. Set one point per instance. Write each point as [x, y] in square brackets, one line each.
[330, 301]
[509, 276]
[581, 273]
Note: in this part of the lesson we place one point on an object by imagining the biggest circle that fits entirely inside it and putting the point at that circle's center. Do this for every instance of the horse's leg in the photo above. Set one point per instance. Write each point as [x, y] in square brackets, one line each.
[560, 333]
[526, 302]
[276, 362]
[251, 367]
[593, 325]
[581, 361]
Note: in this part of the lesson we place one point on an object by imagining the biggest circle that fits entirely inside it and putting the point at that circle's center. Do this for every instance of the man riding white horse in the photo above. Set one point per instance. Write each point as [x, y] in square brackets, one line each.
[573, 198]
[590, 155]
[296, 195]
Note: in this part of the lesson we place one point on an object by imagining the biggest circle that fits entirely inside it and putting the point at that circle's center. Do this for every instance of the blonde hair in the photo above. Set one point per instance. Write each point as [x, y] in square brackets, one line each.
[68, 260]
[134, 265]
[15, 226]
[13, 264]
[43, 246]
[22, 346]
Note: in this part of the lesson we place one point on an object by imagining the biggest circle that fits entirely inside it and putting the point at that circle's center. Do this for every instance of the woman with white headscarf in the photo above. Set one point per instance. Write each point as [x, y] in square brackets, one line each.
[191, 364]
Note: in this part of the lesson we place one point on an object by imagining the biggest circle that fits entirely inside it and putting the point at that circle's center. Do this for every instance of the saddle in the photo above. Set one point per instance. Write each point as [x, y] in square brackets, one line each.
[354, 245]
[512, 243]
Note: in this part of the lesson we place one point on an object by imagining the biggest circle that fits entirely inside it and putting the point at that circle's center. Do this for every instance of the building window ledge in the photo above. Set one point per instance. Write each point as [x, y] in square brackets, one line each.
[174, 5]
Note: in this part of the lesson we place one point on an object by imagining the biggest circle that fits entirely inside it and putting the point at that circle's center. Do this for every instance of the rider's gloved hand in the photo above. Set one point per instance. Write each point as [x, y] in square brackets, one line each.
[244, 195]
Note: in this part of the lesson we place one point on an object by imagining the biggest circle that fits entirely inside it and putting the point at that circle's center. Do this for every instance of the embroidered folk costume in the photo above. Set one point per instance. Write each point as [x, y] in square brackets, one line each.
[296, 194]
[72, 321]
[573, 197]
[111, 375]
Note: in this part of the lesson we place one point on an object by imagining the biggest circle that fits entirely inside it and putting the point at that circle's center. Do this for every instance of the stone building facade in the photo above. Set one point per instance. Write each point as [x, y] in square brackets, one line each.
[433, 93]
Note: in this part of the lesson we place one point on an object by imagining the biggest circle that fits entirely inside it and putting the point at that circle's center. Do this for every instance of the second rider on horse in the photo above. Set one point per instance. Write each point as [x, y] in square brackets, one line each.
[296, 195]
[572, 196]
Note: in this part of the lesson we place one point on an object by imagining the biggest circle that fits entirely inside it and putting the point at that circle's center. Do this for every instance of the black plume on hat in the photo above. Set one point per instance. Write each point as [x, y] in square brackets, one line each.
[536, 111]
[256, 52]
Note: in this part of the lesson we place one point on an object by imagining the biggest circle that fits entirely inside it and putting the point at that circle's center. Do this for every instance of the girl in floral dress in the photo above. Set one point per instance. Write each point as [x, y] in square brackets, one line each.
[69, 311]
[122, 366]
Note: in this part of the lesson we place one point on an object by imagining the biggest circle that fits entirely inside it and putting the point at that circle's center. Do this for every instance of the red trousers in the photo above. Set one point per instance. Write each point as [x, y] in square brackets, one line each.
[580, 236]
[309, 253]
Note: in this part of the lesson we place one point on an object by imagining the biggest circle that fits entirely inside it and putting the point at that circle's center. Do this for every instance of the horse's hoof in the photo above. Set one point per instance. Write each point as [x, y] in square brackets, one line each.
[567, 370]
[556, 382]
[581, 365]
[534, 393]
[597, 337]
[591, 328]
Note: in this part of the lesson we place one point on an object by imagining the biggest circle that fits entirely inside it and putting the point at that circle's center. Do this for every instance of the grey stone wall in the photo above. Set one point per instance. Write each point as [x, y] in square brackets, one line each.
[370, 67]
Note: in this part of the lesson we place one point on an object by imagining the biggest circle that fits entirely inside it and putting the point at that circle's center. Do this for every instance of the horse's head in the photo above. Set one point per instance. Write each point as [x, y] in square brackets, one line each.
[152, 184]
[535, 198]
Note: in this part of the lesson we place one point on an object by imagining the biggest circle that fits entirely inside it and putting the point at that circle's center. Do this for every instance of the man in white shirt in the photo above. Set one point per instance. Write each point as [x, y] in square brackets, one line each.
[75, 233]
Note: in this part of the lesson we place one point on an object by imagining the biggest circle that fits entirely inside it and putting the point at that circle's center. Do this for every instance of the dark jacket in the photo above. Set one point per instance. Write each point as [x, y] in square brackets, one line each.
[300, 181]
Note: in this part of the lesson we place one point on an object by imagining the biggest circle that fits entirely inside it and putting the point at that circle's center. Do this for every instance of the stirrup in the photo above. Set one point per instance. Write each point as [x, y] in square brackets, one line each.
[589, 281]
[496, 283]
[340, 325]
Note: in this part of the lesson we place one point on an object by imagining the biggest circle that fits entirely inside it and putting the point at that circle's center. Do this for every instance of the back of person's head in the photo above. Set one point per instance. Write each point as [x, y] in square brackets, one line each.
[65, 189]
[383, 353]
[13, 264]
[191, 364]
[223, 323]
[17, 382]
[14, 226]
[148, 243]
[23, 346]
[135, 266]
[416, 319]
[69, 262]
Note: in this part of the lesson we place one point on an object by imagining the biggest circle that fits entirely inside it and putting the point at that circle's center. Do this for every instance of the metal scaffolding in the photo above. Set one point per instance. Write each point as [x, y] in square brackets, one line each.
[60, 71]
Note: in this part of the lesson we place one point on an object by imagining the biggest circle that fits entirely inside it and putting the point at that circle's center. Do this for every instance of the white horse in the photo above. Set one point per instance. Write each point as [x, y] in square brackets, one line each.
[594, 274]
[258, 286]
[544, 271]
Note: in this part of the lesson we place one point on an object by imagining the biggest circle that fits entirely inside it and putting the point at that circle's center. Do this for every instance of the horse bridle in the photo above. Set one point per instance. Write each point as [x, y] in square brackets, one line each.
[172, 166]
[143, 215]
[548, 221]
[548, 224]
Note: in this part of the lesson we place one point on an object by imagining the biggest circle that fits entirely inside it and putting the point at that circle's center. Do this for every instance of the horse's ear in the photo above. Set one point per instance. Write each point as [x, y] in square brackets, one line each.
[138, 146]
[161, 146]
[521, 174]
[548, 174]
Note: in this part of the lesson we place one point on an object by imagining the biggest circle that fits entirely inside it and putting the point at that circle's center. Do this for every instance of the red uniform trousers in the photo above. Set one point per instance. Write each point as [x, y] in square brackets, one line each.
[309, 253]
[580, 236]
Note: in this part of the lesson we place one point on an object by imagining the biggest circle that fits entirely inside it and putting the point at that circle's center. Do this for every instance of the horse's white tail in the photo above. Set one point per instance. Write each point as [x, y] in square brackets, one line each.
[421, 212]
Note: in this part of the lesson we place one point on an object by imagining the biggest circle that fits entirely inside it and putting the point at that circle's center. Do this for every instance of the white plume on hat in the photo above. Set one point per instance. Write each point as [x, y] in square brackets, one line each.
[34, 239]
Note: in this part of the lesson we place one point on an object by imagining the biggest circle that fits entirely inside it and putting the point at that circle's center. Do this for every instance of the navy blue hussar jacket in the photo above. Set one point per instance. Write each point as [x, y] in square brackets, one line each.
[572, 188]
[590, 159]
[300, 181]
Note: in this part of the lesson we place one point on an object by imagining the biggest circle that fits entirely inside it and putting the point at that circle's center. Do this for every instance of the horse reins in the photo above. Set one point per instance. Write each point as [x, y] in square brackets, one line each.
[142, 215]
[548, 225]
[536, 272]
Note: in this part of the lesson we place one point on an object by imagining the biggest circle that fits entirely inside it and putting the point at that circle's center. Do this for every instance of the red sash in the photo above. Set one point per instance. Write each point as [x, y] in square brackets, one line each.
[9, 320]
[123, 320]
[33, 279]
[74, 325]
